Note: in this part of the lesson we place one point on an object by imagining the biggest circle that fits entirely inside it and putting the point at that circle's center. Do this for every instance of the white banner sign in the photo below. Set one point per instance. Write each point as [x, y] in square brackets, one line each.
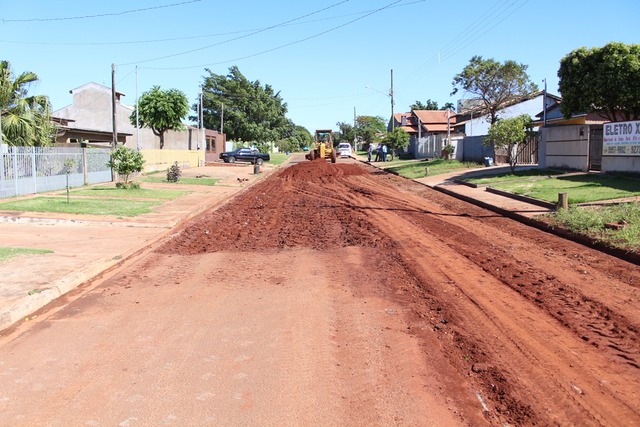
[621, 139]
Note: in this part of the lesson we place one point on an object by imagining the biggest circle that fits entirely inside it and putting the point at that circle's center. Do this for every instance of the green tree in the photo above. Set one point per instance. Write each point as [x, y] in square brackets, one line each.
[346, 133]
[252, 112]
[496, 85]
[397, 139]
[370, 128]
[603, 80]
[430, 105]
[161, 110]
[126, 161]
[298, 138]
[511, 133]
[24, 119]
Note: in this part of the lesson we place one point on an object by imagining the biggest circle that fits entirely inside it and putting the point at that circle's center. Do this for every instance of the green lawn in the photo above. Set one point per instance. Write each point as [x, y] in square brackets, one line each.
[579, 188]
[533, 173]
[92, 206]
[591, 221]
[182, 180]
[278, 158]
[418, 168]
[6, 253]
[129, 193]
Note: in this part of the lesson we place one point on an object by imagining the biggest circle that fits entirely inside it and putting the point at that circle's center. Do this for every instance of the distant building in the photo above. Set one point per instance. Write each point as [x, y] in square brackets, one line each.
[89, 118]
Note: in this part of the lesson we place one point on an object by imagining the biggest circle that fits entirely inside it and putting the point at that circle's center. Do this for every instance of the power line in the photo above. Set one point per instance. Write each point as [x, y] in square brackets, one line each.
[268, 50]
[101, 14]
[479, 28]
[202, 36]
[240, 37]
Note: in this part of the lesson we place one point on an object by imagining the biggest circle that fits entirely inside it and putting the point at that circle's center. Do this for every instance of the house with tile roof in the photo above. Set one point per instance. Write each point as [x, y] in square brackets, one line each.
[429, 131]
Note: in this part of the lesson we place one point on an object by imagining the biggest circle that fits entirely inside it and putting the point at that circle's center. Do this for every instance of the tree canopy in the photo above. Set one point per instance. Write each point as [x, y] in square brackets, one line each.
[370, 128]
[496, 85]
[397, 139]
[346, 133]
[252, 112]
[161, 110]
[24, 119]
[603, 80]
[430, 105]
[300, 137]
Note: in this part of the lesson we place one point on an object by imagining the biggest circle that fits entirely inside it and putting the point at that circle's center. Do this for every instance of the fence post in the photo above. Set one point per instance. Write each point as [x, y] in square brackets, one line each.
[563, 201]
[85, 166]
[15, 169]
[34, 172]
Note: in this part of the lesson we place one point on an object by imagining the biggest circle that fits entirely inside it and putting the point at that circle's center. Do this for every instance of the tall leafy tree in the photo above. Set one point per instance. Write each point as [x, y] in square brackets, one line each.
[371, 128]
[430, 105]
[252, 112]
[512, 133]
[346, 133]
[495, 84]
[24, 119]
[603, 80]
[299, 138]
[161, 110]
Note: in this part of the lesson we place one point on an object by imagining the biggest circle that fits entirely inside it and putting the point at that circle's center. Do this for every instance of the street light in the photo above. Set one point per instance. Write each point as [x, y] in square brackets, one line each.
[390, 95]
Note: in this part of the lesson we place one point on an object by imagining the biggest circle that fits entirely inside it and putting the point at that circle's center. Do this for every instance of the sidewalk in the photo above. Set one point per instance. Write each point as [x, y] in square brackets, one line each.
[86, 246]
[517, 208]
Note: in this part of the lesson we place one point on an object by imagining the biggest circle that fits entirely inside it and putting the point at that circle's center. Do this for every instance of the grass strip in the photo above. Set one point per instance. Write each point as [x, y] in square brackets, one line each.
[417, 168]
[129, 193]
[186, 181]
[6, 252]
[91, 206]
[593, 221]
[580, 188]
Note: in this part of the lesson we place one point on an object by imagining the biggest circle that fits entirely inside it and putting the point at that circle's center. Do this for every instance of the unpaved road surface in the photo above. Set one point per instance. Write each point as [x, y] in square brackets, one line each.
[338, 295]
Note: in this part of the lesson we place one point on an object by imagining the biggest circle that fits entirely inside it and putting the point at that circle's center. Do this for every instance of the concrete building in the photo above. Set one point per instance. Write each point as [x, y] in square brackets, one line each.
[89, 118]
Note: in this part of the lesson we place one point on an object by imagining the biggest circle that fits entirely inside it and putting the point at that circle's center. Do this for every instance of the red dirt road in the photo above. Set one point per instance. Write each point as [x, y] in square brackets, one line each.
[339, 295]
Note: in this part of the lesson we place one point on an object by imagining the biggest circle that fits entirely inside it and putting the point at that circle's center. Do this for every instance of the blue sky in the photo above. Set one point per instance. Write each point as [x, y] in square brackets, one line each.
[326, 57]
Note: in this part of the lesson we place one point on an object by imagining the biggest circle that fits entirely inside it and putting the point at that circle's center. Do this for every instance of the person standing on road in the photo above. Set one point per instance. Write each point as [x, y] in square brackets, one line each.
[384, 152]
[378, 154]
[369, 151]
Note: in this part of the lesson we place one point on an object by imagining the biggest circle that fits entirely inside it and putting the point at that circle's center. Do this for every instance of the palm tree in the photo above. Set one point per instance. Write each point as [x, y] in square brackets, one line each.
[24, 119]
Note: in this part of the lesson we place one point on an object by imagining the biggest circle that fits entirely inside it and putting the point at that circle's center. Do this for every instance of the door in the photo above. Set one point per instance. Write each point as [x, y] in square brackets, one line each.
[595, 148]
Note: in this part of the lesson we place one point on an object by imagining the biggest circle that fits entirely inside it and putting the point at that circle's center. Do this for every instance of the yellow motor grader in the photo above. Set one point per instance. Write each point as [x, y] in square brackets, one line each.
[323, 146]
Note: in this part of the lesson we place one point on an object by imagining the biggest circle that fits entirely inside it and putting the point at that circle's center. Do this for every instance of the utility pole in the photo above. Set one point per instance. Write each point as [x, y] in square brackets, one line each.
[201, 120]
[393, 120]
[222, 119]
[355, 129]
[137, 114]
[113, 104]
[544, 104]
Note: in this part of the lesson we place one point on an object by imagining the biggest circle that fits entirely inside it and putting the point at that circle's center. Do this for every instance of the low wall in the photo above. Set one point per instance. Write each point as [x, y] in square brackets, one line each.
[156, 160]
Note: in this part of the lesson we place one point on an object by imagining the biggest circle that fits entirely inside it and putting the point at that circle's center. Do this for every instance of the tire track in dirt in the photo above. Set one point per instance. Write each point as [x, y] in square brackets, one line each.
[561, 349]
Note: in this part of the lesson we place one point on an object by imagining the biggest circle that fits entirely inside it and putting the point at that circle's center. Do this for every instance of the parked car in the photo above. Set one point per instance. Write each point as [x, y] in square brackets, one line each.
[250, 155]
[344, 149]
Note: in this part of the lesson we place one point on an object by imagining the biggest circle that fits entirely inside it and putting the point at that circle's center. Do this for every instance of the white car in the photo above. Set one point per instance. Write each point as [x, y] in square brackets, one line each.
[344, 149]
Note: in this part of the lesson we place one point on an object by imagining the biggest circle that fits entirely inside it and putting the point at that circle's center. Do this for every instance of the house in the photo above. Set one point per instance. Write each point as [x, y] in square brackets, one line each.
[577, 142]
[472, 121]
[89, 119]
[429, 131]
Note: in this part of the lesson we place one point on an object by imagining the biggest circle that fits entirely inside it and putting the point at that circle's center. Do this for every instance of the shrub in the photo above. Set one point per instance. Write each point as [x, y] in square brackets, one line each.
[125, 161]
[174, 173]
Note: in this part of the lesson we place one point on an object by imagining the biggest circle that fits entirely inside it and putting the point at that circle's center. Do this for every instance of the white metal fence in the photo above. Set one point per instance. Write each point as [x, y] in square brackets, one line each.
[28, 170]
